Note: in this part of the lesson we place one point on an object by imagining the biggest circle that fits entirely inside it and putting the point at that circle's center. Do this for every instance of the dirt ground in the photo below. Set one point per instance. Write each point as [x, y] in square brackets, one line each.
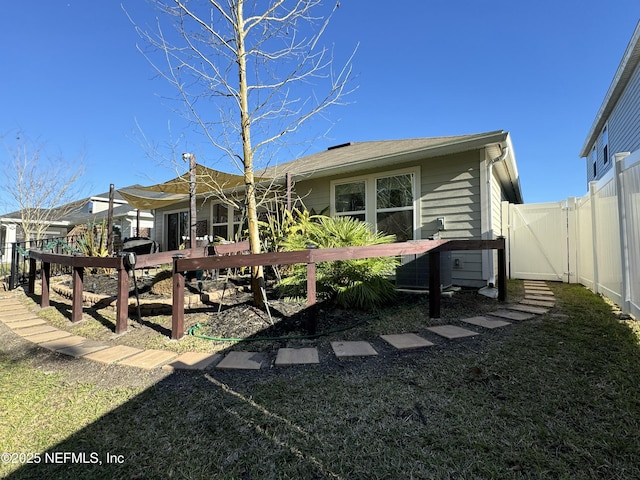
[237, 317]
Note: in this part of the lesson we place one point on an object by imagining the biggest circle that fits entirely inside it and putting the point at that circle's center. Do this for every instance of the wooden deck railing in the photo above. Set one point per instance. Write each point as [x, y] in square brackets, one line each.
[79, 262]
[312, 256]
[197, 259]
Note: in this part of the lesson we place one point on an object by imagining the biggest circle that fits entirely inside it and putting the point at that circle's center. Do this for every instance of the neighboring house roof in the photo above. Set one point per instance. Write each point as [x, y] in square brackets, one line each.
[78, 213]
[15, 217]
[81, 217]
[627, 66]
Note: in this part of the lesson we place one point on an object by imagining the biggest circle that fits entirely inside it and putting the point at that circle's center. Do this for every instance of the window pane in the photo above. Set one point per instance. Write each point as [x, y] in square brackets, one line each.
[399, 224]
[394, 192]
[357, 216]
[219, 213]
[350, 197]
[220, 231]
[184, 224]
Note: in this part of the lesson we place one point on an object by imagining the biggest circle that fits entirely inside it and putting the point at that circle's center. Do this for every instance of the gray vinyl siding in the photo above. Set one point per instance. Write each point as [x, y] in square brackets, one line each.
[624, 122]
[451, 188]
[158, 227]
[314, 194]
[623, 126]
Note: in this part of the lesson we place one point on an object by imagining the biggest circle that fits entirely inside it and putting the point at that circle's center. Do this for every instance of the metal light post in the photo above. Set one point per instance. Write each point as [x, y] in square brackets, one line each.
[191, 158]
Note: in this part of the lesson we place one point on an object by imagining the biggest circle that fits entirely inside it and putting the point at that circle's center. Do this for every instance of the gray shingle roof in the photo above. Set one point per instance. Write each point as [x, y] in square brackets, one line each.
[351, 156]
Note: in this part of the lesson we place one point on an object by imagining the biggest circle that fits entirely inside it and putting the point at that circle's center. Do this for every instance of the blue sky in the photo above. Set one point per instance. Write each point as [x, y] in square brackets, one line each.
[74, 80]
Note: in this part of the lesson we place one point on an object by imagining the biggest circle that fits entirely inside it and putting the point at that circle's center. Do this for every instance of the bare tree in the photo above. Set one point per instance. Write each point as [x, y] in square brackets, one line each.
[43, 189]
[248, 73]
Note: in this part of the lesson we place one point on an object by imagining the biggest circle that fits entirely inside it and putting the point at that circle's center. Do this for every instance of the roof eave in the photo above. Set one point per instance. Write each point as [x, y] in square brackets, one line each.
[627, 66]
[458, 146]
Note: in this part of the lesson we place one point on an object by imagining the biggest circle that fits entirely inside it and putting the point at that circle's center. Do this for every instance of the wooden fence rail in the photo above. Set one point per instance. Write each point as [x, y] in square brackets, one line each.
[197, 259]
[312, 256]
[79, 262]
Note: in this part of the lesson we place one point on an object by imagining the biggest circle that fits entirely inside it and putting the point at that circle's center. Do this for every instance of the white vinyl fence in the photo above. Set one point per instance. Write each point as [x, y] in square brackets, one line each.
[593, 240]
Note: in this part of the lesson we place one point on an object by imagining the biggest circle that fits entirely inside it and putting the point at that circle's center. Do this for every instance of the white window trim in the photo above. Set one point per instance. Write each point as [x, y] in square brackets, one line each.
[370, 193]
[230, 223]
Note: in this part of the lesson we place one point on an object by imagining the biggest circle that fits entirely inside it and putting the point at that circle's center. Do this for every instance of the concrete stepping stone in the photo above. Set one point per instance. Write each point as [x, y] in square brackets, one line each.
[540, 298]
[534, 283]
[242, 361]
[297, 356]
[353, 349]
[512, 315]
[149, 359]
[486, 322]
[192, 361]
[112, 354]
[451, 331]
[47, 336]
[528, 309]
[406, 341]
[25, 323]
[18, 317]
[35, 329]
[538, 291]
[12, 307]
[538, 303]
[64, 342]
[82, 349]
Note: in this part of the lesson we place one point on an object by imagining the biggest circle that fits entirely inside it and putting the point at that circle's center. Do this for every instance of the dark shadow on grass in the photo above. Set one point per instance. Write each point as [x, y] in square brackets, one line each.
[271, 423]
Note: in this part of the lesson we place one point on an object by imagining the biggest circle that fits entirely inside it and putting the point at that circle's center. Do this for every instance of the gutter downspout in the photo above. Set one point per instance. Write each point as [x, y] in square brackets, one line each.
[491, 163]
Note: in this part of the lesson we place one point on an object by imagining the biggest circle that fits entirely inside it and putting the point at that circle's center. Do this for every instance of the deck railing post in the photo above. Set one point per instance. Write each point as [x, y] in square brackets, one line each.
[122, 300]
[311, 284]
[434, 284]
[177, 309]
[46, 275]
[76, 303]
[32, 275]
[502, 271]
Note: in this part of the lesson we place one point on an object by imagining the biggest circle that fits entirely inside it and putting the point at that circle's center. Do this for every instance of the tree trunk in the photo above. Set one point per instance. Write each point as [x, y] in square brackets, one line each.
[257, 274]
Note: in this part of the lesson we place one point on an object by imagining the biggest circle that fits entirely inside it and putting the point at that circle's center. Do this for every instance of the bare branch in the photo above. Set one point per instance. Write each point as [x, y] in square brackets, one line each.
[248, 74]
[43, 189]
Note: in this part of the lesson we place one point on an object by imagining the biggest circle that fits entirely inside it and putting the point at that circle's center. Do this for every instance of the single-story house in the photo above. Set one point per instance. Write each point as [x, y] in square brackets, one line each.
[616, 127]
[451, 187]
[91, 209]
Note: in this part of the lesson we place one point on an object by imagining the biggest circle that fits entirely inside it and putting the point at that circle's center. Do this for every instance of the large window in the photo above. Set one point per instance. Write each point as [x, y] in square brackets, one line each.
[225, 221]
[220, 220]
[386, 201]
[394, 206]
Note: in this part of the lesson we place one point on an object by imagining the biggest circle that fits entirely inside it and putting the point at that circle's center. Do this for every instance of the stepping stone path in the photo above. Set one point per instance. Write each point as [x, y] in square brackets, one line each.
[537, 301]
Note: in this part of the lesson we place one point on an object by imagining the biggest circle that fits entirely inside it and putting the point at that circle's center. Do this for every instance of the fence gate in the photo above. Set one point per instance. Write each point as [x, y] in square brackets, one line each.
[539, 241]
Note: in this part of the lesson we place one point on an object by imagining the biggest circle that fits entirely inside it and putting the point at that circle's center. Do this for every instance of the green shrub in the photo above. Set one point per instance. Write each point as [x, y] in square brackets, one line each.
[360, 283]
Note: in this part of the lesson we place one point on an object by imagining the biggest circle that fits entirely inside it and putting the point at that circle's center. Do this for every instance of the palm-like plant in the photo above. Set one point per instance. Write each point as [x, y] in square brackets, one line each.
[94, 241]
[360, 283]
